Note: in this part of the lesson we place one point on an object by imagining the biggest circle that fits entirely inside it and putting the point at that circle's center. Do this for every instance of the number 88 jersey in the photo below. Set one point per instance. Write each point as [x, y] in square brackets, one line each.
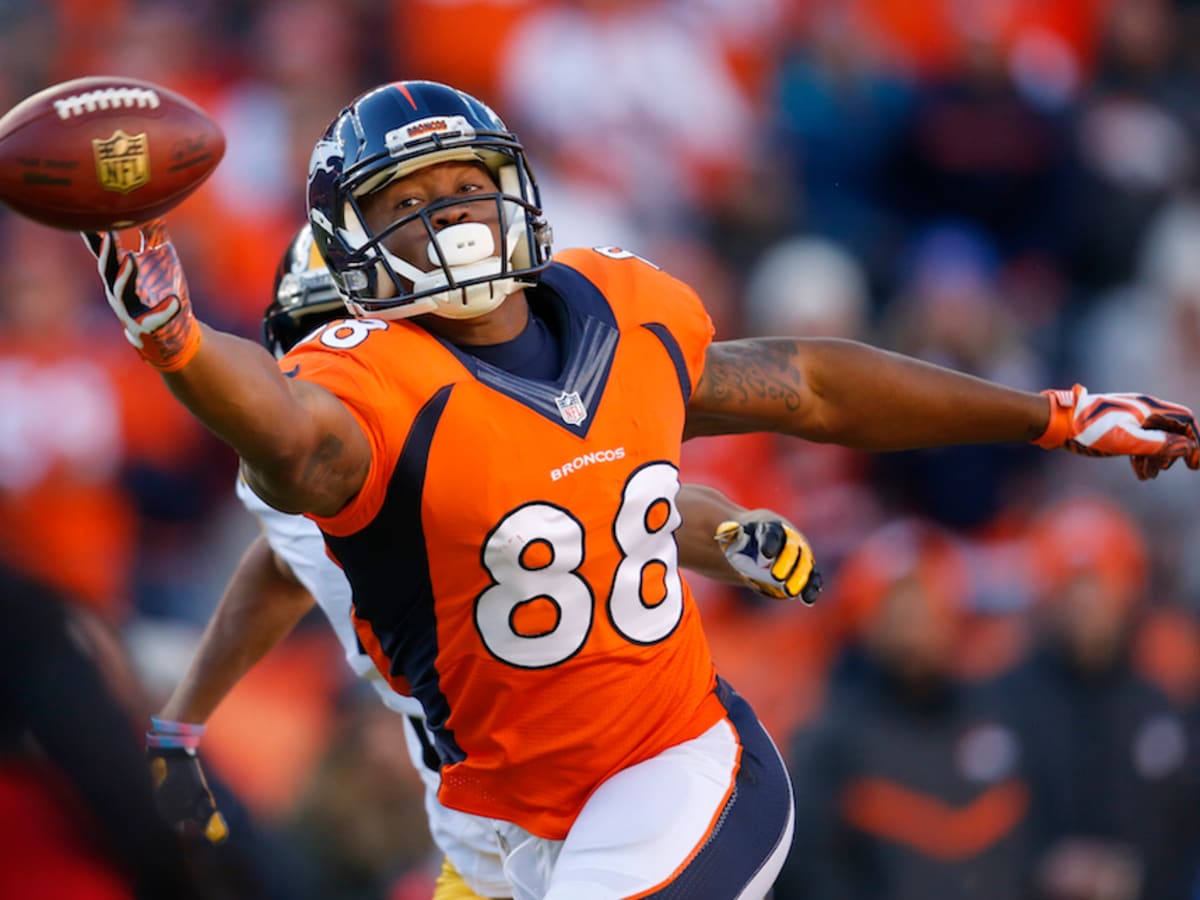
[512, 552]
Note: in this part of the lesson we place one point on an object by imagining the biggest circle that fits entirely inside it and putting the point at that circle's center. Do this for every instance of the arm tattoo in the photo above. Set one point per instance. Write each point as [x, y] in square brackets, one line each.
[740, 375]
[329, 464]
[326, 457]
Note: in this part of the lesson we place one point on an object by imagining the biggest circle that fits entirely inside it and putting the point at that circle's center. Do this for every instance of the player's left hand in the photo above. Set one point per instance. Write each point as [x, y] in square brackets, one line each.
[1151, 432]
[181, 791]
[772, 557]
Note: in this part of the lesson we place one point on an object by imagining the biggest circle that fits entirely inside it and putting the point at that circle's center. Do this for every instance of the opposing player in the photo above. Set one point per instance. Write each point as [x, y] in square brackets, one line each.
[491, 453]
[286, 569]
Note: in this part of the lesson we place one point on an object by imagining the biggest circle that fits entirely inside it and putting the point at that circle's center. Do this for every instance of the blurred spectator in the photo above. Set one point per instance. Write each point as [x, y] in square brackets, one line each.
[459, 42]
[1113, 768]
[642, 103]
[976, 148]
[807, 286]
[811, 287]
[1148, 330]
[359, 830]
[26, 29]
[930, 40]
[76, 806]
[907, 784]
[1136, 135]
[90, 441]
[778, 654]
[950, 312]
[301, 61]
[840, 105]
[170, 43]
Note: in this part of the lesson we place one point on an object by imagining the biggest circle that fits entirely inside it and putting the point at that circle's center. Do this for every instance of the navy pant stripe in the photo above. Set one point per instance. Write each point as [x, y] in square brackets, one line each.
[753, 823]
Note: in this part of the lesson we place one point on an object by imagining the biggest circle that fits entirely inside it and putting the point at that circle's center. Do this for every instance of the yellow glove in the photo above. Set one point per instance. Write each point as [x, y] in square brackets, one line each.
[772, 557]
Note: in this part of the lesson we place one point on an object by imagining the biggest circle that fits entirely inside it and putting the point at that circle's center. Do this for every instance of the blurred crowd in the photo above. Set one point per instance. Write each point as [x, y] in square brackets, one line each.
[999, 693]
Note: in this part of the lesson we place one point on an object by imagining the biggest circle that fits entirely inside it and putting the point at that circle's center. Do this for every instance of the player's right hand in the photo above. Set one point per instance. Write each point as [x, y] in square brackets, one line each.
[1151, 432]
[181, 791]
[772, 557]
[148, 292]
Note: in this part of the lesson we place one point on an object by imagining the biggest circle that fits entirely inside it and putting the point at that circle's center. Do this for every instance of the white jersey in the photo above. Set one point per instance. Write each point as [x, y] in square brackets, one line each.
[470, 842]
[298, 542]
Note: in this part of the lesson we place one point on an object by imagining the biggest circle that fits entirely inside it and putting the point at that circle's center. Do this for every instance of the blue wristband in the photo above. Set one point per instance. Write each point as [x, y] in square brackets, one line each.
[171, 735]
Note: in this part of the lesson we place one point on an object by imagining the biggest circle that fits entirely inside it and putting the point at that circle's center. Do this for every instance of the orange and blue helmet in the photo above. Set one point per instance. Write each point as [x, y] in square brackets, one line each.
[389, 133]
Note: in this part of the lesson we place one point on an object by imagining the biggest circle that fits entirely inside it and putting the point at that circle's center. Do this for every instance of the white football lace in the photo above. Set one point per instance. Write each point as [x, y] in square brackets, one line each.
[106, 98]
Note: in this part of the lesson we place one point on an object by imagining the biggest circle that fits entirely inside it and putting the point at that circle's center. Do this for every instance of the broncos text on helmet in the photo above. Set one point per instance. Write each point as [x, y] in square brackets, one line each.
[304, 297]
[389, 133]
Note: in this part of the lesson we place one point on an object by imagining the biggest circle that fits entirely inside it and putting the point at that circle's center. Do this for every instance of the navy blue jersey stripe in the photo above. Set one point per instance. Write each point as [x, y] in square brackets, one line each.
[388, 569]
[661, 332]
[429, 755]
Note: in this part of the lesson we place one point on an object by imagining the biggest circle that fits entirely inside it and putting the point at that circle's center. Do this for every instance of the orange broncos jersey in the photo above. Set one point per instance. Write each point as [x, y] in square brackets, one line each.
[512, 553]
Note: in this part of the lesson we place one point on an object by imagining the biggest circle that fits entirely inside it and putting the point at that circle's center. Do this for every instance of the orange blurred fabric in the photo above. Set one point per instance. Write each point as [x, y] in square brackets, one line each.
[1088, 536]
[77, 412]
[1167, 652]
[266, 737]
[777, 655]
[902, 551]
[460, 42]
[934, 37]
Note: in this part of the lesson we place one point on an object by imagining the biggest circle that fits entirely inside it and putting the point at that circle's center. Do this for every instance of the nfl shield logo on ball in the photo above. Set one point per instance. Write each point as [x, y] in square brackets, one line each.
[570, 407]
[122, 161]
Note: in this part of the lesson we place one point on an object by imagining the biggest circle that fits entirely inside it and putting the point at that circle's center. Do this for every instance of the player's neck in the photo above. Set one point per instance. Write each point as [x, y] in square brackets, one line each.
[504, 323]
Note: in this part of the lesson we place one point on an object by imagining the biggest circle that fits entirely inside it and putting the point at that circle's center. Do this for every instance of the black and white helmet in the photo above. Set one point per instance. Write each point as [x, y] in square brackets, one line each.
[304, 297]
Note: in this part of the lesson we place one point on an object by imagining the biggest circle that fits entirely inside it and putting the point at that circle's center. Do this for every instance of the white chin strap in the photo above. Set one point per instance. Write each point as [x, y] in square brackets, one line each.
[470, 252]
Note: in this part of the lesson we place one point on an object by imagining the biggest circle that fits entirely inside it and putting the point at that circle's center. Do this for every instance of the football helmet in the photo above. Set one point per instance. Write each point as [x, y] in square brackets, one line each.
[389, 133]
[304, 297]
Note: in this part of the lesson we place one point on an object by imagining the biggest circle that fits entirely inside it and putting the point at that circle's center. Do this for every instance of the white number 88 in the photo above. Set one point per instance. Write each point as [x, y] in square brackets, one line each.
[535, 552]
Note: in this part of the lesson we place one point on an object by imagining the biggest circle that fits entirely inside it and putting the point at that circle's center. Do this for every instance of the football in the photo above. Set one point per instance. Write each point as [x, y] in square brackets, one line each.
[104, 153]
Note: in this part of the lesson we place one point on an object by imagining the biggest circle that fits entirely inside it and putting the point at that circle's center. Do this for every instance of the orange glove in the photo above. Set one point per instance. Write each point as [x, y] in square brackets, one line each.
[1151, 432]
[149, 294]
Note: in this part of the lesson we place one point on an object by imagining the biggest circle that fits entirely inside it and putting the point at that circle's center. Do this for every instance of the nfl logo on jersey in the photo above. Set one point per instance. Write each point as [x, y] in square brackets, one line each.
[570, 407]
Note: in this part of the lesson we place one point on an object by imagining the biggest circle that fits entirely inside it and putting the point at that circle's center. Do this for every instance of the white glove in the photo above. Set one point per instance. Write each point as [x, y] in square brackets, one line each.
[148, 292]
[772, 557]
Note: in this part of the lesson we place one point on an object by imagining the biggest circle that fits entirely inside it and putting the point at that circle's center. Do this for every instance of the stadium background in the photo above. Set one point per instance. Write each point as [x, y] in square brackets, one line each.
[1004, 186]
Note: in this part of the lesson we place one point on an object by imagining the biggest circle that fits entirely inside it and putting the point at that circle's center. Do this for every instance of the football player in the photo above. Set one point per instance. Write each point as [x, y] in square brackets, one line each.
[286, 569]
[491, 448]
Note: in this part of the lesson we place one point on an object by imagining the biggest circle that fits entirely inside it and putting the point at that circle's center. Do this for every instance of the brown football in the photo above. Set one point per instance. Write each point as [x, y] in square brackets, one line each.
[104, 152]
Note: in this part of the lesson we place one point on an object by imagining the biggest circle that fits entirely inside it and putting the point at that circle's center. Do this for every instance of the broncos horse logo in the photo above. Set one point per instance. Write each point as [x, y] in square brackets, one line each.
[323, 156]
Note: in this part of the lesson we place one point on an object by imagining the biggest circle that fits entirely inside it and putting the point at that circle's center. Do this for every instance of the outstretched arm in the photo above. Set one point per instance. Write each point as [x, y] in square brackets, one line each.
[301, 449]
[843, 392]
